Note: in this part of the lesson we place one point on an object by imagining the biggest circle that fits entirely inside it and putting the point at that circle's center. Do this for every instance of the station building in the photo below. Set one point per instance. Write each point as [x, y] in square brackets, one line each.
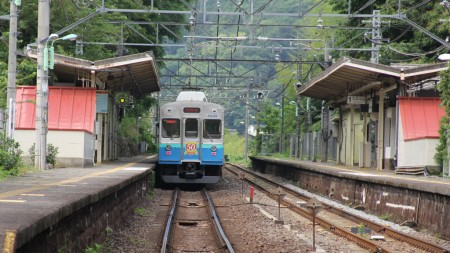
[386, 117]
[83, 111]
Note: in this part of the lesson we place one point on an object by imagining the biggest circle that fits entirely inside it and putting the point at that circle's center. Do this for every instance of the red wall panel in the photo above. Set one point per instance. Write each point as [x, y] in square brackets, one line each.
[70, 108]
[420, 117]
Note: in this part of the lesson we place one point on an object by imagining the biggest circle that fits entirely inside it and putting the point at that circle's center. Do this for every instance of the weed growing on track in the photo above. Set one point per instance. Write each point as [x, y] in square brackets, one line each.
[97, 248]
[386, 217]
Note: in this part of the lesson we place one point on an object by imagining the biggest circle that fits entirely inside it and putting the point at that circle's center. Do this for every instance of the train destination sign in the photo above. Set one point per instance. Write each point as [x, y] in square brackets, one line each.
[191, 110]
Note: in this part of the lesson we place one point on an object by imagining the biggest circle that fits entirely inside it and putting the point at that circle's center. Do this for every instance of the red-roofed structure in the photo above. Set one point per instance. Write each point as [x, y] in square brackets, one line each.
[83, 115]
[69, 108]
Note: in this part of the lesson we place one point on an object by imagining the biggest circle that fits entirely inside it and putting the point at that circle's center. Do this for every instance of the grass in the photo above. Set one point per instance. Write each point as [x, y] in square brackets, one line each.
[234, 145]
[22, 169]
[141, 211]
[97, 248]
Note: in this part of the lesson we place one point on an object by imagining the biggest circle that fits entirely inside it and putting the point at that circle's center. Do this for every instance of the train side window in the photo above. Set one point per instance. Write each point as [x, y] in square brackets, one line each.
[170, 128]
[191, 128]
[212, 129]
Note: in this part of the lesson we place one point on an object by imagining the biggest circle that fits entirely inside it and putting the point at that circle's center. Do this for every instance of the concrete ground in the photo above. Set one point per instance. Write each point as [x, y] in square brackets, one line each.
[34, 202]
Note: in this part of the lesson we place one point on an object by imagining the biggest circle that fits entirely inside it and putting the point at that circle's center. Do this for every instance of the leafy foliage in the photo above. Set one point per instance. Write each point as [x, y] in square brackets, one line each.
[52, 152]
[136, 124]
[443, 87]
[9, 156]
[128, 128]
[406, 43]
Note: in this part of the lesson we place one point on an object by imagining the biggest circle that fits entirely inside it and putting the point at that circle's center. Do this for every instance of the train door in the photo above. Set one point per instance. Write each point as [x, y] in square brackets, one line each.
[191, 141]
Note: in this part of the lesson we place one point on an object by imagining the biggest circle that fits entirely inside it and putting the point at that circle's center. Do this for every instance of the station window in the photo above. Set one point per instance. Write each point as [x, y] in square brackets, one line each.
[191, 126]
[212, 129]
[170, 128]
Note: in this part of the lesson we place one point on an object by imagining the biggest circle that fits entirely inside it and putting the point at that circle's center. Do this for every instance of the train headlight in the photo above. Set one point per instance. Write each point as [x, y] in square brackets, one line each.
[168, 147]
[214, 148]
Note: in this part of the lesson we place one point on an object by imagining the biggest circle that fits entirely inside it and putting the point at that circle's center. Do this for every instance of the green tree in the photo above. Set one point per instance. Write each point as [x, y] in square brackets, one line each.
[442, 154]
[406, 43]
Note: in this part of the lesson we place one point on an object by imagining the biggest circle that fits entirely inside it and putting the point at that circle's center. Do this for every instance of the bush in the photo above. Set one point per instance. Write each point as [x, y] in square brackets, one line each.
[9, 156]
[52, 152]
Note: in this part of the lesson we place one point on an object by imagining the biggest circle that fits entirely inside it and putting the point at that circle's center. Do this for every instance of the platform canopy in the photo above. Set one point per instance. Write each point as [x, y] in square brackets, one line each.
[349, 75]
[135, 73]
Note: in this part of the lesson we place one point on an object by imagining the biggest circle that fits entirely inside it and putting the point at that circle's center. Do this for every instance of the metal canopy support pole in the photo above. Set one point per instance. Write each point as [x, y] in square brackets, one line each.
[364, 155]
[380, 134]
[282, 123]
[42, 79]
[352, 136]
[100, 138]
[106, 139]
[325, 133]
[12, 62]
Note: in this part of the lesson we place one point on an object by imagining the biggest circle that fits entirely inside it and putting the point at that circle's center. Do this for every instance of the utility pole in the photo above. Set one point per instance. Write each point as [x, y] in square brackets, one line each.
[282, 122]
[376, 36]
[246, 125]
[42, 86]
[12, 69]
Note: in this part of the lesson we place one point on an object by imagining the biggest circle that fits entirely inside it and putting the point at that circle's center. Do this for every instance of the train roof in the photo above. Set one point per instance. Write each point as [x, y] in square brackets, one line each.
[192, 96]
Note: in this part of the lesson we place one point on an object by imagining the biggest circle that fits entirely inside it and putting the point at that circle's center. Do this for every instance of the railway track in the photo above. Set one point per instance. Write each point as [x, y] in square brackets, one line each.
[193, 225]
[335, 221]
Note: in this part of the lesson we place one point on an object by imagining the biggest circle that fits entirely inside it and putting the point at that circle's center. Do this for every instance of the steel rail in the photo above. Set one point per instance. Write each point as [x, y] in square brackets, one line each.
[168, 228]
[416, 242]
[359, 240]
[223, 238]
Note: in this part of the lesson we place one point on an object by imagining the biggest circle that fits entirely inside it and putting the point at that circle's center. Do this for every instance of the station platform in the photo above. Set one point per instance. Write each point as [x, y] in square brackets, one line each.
[35, 205]
[420, 182]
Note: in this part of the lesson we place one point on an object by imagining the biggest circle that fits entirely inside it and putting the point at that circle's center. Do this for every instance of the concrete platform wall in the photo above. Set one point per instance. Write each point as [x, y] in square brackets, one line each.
[88, 219]
[398, 203]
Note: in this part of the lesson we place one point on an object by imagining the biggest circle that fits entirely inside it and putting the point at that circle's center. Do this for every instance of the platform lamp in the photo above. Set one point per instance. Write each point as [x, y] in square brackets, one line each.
[49, 52]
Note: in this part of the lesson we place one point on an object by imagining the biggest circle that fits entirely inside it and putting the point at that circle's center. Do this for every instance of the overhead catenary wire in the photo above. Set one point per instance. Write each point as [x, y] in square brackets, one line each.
[417, 54]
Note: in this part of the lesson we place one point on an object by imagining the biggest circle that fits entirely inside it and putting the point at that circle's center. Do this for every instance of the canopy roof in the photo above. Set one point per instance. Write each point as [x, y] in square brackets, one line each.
[347, 75]
[134, 73]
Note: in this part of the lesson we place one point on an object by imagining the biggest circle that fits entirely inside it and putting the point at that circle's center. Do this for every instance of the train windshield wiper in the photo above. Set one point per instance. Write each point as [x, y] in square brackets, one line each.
[207, 134]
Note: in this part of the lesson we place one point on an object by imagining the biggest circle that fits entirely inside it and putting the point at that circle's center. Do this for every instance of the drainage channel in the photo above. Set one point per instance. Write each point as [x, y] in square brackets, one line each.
[193, 225]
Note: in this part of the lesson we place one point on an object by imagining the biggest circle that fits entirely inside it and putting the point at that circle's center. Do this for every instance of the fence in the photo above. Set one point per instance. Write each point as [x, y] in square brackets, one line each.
[310, 146]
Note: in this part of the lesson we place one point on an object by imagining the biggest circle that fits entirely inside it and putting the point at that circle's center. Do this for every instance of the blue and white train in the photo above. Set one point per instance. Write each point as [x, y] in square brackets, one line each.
[191, 140]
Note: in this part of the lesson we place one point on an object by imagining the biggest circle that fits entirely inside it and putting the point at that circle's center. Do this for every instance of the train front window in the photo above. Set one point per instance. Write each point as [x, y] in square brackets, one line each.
[191, 128]
[170, 128]
[212, 129]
